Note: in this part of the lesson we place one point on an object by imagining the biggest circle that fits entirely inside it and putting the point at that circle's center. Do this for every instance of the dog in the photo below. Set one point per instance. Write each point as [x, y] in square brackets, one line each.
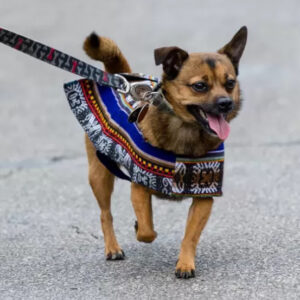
[204, 93]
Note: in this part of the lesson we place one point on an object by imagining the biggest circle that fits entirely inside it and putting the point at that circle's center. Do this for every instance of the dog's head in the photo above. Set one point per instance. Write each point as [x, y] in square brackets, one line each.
[203, 87]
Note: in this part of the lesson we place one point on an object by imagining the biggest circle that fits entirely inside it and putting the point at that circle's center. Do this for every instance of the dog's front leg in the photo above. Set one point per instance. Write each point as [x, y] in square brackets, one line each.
[141, 201]
[198, 215]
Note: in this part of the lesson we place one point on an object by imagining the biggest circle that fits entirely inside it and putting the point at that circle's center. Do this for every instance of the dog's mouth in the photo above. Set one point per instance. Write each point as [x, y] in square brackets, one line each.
[215, 125]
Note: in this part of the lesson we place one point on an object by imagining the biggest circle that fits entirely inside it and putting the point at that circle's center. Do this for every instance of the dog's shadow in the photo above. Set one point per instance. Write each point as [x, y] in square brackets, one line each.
[212, 262]
[147, 260]
[144, 261]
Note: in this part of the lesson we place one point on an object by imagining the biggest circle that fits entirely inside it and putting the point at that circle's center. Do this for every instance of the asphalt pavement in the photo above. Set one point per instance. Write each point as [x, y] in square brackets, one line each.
[51, 245]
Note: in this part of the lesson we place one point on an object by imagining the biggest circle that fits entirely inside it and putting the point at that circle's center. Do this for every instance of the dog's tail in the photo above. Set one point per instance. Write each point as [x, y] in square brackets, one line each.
[106, 50]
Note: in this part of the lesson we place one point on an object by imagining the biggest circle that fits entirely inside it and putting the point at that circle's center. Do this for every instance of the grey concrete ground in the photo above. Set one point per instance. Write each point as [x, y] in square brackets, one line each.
[51, 246]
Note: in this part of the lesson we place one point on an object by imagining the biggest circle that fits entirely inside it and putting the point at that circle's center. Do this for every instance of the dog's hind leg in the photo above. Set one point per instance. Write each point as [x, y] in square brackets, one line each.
[198, 215]
[141, 201]
[102, 183]
[101, 180]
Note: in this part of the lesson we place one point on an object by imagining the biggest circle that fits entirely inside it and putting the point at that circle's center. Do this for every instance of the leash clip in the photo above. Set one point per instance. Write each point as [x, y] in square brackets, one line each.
[125, 85]
[141, 91]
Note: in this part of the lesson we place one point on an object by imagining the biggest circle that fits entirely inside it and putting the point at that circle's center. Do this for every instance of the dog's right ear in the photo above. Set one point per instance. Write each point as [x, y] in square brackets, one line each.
[172, 59]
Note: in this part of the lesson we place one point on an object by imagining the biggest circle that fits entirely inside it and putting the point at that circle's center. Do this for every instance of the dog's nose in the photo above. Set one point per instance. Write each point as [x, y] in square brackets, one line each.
[224, 104]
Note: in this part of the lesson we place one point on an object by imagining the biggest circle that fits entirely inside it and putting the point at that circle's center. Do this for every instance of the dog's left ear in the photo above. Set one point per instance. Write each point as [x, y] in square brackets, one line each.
[172, 59]
[235, 48]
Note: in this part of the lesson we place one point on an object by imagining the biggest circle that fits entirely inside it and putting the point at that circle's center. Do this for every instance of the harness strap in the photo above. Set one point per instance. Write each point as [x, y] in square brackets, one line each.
[62, 60]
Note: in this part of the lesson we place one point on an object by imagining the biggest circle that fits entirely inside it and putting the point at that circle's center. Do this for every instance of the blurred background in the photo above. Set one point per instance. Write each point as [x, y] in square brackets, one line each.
[50, 240]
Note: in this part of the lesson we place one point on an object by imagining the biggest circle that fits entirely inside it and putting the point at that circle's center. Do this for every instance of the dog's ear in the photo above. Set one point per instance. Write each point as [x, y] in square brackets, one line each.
[172, 59]
[235, 48]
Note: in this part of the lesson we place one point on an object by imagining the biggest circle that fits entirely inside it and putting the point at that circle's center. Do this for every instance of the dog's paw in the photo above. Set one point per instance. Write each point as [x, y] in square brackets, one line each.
[115, 255]
[184, 270]
[144, 236]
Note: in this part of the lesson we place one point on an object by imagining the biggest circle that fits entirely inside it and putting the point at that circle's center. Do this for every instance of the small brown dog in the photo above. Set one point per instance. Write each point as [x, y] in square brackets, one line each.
[205, 95]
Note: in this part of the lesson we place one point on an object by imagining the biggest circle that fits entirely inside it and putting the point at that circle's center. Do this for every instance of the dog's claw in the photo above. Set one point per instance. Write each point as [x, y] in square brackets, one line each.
[116, 256]
[136, 226]
[185, 275]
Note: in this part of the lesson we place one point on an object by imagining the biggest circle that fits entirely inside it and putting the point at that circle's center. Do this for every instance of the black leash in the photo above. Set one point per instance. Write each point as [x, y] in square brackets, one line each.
[63, 60]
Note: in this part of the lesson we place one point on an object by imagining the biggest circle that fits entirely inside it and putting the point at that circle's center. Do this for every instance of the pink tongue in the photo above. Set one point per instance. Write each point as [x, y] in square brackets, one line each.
[219, 125]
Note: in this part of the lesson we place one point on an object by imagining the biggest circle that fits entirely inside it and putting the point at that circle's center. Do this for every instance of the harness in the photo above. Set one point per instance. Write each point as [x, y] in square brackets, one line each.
[108, 106]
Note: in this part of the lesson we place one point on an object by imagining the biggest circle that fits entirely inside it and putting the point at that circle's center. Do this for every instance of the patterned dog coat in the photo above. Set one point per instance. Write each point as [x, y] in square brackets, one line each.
[103, 113]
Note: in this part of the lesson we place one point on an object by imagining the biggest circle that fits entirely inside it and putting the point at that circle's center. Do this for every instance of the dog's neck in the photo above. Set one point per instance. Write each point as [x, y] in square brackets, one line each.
[170, 133]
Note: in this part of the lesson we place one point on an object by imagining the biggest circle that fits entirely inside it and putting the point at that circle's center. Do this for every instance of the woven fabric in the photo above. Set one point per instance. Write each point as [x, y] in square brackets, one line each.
[103, 114]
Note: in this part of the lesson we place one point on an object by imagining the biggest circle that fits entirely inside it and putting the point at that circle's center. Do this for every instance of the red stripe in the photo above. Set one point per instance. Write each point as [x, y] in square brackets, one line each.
[19, 43]
[75, 63]
[50, 55]
[105, 78]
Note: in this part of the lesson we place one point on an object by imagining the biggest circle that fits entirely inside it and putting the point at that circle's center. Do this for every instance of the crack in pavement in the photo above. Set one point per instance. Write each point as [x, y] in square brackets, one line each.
[79, 231]
[7, 174]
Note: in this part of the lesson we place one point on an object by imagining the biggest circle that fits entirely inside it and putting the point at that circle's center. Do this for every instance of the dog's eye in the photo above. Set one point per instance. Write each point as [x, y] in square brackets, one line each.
[230, 84]
[200, 87]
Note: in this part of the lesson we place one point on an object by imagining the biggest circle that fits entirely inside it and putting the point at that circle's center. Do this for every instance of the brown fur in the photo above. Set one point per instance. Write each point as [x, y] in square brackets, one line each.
[179, 133]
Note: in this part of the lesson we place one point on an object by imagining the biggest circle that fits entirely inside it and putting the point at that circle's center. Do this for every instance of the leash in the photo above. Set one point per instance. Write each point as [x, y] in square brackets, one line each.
[140, 90]
[63, 61]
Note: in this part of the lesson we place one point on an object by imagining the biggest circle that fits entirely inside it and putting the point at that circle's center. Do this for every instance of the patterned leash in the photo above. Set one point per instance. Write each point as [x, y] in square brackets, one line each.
[63, 60]
[140, 91]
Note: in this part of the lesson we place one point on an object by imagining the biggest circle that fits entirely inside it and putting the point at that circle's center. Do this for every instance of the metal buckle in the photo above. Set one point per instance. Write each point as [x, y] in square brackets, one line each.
[141, 91]
[125, 86]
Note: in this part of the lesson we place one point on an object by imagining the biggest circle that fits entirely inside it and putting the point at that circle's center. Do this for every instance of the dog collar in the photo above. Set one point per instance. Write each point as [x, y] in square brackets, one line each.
[103, 113]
